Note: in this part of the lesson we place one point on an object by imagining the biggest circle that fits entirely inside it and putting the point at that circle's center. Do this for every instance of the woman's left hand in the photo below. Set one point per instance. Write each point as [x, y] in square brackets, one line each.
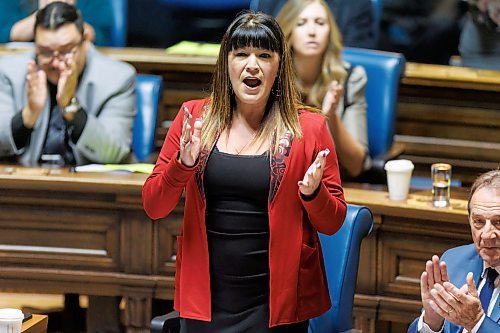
[313, 176]
[332, 98]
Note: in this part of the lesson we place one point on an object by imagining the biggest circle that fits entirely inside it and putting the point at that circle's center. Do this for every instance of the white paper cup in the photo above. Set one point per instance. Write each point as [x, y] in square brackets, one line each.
[398, 178]
[11, 320]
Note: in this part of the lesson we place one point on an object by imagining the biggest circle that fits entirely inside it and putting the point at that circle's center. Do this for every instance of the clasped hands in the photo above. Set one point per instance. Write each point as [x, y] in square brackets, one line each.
[37, 90]
[189, 147]
[444, 301]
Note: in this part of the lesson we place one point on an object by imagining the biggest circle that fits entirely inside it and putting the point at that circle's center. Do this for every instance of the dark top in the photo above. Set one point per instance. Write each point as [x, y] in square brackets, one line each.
[237, 189]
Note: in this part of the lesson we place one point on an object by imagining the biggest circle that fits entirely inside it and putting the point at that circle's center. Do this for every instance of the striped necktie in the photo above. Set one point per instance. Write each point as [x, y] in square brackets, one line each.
[489, 286]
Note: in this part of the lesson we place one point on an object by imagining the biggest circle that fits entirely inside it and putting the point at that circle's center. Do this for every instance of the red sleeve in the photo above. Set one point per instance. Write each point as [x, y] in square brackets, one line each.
[328, 208]
[163, 188]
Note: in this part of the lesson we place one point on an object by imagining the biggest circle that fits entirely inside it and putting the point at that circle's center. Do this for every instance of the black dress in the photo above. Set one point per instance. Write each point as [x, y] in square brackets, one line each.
[236, 189]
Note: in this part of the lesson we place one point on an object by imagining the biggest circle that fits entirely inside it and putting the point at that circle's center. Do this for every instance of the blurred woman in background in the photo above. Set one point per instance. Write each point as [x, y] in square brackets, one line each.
[326, 81]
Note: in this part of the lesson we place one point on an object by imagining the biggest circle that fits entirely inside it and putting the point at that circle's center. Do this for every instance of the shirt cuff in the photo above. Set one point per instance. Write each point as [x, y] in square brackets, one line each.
[479, 323]
[424, 328]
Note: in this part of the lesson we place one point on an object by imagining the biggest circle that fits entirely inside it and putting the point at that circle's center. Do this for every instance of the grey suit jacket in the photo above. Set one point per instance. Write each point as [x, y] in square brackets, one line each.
[105, 92]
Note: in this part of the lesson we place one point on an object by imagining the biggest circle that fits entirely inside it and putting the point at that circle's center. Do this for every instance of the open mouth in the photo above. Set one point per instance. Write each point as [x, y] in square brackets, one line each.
[252, 82]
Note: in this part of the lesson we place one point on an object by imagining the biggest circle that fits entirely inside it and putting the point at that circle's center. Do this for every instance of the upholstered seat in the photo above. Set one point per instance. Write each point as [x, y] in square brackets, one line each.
[148, 92]
[384, 71]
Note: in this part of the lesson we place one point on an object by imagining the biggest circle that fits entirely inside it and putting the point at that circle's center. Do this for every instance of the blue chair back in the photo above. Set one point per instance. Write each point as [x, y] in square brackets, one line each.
[341, 256]
[384, 70]
[148, 89]
[119, 29]
[212, 5]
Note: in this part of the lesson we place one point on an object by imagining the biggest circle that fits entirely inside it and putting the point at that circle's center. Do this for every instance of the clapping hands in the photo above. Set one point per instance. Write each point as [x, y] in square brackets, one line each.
[332, 98]
[37, 92]
[442, 300]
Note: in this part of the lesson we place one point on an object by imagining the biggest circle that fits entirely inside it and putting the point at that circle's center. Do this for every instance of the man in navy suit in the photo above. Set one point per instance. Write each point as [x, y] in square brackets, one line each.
[460, 293]
[354, 18]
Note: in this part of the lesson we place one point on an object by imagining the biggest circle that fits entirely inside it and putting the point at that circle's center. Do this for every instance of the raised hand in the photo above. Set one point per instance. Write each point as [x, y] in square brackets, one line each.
[314, 173]
[332, 98]
[190, 142]
[435, 273]
[68, 79]
[37, 92]
[459, 306]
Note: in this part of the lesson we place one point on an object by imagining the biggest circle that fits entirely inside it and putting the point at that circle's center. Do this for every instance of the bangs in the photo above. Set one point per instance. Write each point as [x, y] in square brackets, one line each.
[251, 35]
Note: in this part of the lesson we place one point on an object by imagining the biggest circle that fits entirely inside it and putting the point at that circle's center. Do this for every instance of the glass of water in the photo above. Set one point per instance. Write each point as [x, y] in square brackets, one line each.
[441, 182]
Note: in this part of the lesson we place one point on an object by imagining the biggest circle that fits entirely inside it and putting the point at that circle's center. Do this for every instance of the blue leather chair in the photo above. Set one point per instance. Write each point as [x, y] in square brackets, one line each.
[119, 30]
[341, 256]
[148, 92]
[384, 71]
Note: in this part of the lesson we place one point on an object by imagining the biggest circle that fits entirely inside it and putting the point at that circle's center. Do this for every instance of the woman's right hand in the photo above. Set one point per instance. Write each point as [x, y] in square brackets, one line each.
[190, 142]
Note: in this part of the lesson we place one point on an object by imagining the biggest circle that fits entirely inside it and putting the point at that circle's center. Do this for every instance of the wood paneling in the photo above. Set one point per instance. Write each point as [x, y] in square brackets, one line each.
[104, 244]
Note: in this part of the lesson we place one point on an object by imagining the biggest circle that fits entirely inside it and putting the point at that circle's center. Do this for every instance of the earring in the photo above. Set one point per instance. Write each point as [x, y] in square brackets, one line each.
[276, 90]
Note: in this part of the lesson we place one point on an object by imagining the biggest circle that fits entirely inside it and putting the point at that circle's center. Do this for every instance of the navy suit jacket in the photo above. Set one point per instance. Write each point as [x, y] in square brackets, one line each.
[460, 261]
[354, 18]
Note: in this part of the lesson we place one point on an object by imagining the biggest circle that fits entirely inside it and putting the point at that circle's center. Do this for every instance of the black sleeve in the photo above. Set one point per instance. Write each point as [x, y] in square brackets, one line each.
[20, 133]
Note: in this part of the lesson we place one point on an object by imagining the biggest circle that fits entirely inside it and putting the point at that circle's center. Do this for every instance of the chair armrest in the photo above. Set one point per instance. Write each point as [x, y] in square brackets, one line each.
[169, 323]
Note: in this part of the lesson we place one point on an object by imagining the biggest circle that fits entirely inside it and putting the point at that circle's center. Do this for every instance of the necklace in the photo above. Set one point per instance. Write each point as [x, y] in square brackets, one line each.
[238, 151]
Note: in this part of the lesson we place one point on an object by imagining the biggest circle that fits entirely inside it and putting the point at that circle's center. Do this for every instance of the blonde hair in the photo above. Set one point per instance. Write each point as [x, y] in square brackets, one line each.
[332, 67]
[258, 30]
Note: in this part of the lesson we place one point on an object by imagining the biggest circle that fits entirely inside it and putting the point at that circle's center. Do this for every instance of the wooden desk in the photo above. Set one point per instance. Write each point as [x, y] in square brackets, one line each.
[81, 233]
[36, 324]
[405, 235]
[87, 233]
[445, 113]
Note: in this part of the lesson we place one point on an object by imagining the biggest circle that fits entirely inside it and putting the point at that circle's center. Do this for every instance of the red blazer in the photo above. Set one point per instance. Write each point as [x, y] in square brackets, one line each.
[298, 286]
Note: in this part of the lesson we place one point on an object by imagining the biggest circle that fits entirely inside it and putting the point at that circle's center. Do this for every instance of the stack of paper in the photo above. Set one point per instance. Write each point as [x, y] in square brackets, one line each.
[194, 48]
[134, 167]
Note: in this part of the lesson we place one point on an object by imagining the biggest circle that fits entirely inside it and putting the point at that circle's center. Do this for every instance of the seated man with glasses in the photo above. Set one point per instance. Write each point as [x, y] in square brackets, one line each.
[67, 104]
[460, 291]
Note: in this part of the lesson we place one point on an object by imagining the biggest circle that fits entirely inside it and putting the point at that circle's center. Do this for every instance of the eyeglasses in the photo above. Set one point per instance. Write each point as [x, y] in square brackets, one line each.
[46, 56]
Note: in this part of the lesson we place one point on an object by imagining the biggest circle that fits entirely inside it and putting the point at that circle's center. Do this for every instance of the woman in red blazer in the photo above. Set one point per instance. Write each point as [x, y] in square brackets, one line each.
[261, 179]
